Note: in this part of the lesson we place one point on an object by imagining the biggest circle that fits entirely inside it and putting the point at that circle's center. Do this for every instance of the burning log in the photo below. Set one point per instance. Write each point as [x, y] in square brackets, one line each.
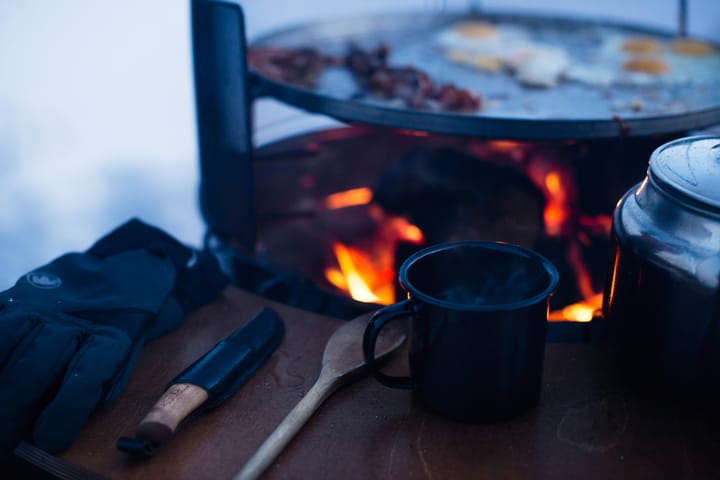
[451, 195]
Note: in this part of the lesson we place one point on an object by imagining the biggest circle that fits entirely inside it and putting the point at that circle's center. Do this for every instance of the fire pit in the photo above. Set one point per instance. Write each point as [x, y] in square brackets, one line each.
[348, 224]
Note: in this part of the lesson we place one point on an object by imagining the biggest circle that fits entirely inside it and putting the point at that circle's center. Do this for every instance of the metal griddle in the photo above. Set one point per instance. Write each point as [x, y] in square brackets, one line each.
[570, 110]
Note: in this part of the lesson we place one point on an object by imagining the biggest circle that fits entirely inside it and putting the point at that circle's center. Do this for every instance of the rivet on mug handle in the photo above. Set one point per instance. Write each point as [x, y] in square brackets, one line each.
[381, 318]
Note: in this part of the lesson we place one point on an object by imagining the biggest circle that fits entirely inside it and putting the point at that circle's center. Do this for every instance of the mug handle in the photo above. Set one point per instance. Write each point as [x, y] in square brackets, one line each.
[381, 318]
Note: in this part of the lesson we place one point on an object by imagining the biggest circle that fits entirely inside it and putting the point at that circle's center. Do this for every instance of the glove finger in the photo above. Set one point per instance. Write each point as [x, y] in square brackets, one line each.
[87, 377]
[13, 328]
[30, 374]
[168, 319]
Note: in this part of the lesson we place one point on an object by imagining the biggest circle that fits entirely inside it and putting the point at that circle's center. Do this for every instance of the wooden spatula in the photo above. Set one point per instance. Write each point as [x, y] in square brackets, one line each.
[342, 363]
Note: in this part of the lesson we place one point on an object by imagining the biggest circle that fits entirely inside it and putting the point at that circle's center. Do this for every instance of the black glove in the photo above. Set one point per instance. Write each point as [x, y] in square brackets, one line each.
[71, 330]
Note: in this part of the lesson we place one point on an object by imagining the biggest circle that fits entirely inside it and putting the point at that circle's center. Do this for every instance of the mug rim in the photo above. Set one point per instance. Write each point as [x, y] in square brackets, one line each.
[487, 245]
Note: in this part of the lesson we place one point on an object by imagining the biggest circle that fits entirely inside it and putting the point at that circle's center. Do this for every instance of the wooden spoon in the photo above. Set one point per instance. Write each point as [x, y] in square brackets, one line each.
[342, 363]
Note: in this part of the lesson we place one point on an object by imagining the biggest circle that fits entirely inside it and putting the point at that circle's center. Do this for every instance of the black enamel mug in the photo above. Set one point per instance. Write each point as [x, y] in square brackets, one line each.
[478, 316]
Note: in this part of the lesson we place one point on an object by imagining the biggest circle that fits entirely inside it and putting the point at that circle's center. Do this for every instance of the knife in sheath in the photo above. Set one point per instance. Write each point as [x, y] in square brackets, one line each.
[209, 381]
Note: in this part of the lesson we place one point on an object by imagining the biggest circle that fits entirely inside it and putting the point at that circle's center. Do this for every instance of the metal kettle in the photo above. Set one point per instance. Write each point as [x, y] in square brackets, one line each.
[662, 296]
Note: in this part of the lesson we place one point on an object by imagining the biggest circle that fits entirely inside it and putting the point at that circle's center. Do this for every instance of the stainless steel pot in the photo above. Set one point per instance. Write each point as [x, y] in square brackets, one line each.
[662, 300]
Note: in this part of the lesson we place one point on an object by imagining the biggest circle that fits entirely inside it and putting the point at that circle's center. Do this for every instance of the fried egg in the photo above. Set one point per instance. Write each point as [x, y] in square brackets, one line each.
[613, 57]
[495, 47]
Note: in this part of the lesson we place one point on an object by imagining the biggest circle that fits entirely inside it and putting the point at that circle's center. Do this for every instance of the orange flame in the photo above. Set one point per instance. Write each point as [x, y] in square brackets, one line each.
[394, 229]
[368, 273]
[556, 213]
[351, 263]
[560, 221]
[583, 311]
[349, 198]
[361, 275]
[578, 312]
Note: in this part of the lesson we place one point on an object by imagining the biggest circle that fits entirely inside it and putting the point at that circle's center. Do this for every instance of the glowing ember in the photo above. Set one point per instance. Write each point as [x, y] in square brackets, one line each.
[414, 133]
[349, 198]
[504, 145]
[578, 312]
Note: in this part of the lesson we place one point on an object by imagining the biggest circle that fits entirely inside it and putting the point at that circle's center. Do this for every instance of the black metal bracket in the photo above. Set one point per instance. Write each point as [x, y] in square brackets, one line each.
[223, 96]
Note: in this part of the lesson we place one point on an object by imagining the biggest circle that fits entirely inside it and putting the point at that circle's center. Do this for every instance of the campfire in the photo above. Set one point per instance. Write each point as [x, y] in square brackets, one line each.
[365, 268]
[345, 207]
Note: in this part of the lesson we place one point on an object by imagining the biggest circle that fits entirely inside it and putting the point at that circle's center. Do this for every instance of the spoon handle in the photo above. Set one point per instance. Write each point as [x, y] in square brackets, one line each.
[287, 429]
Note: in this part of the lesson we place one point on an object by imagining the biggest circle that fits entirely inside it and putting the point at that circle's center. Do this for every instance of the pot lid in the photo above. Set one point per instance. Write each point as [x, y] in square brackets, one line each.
[691, 167]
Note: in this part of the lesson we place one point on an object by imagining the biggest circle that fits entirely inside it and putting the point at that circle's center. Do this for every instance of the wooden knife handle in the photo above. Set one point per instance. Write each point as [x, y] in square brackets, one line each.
[177, 402]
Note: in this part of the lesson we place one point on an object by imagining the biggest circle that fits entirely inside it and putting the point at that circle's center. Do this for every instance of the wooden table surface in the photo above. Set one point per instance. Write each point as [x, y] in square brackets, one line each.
[586, 426]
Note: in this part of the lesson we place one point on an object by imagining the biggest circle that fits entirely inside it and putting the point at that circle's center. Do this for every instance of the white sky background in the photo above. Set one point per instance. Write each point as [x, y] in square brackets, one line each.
[97, 116]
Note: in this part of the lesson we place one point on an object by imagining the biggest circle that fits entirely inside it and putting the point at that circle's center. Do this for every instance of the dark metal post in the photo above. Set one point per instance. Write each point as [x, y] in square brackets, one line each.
[227, 195]
[682, 18]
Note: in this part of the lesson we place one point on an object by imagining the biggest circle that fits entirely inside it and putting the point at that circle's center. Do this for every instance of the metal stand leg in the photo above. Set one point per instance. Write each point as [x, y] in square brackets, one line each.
[227, 196]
